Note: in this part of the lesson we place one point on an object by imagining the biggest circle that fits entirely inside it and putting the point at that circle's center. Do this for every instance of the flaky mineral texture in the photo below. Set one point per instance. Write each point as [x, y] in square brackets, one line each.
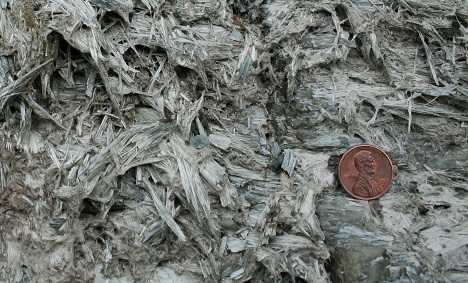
[197, 140]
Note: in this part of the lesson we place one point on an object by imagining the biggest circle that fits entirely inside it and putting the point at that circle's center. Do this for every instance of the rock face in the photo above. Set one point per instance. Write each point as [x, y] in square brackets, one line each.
[197, 141]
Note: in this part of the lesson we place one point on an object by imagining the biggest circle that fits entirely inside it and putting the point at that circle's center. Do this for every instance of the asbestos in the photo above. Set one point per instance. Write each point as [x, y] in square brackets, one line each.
[195, 141]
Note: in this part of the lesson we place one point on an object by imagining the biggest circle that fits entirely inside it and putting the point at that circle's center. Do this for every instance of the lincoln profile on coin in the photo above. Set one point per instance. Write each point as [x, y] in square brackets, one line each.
[365, 183]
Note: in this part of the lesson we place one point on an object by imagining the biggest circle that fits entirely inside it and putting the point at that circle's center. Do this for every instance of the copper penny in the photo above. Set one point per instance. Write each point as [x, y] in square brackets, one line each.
[365, 172]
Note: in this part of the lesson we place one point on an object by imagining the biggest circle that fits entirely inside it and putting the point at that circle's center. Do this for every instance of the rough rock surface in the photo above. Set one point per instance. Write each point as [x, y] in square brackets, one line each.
[197, 140]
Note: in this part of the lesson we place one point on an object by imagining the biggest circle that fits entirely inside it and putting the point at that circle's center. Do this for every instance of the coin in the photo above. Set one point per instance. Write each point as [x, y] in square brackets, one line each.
[365, 172]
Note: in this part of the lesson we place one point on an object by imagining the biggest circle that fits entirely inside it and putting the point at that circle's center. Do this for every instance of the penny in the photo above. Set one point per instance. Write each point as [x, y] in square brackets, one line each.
[365, 172]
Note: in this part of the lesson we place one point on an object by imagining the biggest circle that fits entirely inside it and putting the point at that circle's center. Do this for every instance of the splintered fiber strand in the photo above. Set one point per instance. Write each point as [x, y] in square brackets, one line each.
[79, 9]
[11, 32]
[146, 161]
[113, 5]
[291, 243]
[438, 110]
[193, 187]
[429, 58]
[4, 170]
[189, 115]
[216, 176]
[53, 155]
[13, 254]
[164, 213]
[23, 80]
[134, 142]
[129, 149]
[152, 4]
[289, 162]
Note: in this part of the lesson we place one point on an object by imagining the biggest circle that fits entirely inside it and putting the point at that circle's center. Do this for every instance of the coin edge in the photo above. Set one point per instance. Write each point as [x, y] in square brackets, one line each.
[386, 156]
